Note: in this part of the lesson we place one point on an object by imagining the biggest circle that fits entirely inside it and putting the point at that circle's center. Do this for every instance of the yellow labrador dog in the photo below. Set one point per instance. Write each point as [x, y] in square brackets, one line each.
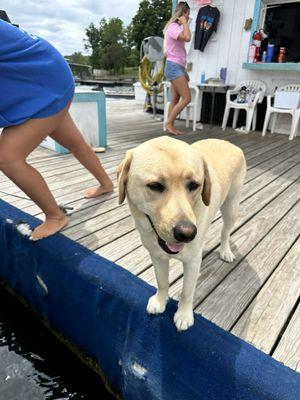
[174, 191]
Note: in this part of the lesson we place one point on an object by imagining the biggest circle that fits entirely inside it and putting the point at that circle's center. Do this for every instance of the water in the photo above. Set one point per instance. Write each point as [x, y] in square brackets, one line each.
[120, 91]
[34, 365]
[116, 92]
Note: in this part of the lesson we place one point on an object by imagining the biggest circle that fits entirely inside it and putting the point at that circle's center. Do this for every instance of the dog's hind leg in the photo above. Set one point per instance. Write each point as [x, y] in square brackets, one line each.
[229, 211]
[157, 303]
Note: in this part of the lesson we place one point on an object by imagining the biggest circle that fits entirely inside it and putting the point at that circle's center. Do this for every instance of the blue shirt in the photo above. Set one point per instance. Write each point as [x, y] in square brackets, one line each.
[35, 79]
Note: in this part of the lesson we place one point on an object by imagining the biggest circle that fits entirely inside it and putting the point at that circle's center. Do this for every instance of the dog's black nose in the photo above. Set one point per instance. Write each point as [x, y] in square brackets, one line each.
[184, 231]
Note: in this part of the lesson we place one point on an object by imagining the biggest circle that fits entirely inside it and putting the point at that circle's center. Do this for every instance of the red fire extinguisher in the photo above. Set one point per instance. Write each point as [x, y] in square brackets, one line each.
[257, 38]
[257, 55]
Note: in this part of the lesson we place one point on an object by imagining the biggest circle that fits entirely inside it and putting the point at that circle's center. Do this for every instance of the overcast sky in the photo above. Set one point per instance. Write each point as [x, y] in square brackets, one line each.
[63, 22]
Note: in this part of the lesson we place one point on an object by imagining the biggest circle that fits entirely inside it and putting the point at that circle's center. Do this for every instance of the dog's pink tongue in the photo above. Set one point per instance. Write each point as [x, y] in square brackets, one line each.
[175, 247]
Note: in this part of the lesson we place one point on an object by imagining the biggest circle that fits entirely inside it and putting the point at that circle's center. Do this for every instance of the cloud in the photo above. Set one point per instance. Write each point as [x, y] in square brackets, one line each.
[63, 22]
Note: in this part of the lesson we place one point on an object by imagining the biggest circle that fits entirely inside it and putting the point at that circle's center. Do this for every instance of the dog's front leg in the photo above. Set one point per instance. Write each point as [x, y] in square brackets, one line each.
[184, 317]
[157, 303]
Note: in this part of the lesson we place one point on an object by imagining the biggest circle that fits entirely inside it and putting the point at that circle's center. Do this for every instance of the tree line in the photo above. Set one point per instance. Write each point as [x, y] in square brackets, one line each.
[114, 46]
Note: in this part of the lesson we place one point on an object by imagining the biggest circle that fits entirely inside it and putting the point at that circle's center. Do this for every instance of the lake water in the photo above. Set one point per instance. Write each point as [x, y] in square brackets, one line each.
[116, 92]
[34, 365]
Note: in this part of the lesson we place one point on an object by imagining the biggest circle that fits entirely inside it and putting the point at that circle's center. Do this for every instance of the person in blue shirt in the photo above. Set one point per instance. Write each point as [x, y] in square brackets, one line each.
[36, 89]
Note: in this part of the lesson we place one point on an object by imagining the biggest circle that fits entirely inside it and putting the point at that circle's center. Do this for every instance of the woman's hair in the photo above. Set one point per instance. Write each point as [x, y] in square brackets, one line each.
[181, 8]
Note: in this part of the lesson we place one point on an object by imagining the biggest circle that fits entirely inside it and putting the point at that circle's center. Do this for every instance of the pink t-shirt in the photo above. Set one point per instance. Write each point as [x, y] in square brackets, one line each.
[174, 48]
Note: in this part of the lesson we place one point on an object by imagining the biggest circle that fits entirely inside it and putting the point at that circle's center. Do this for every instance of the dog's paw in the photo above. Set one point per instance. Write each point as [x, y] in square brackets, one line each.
[183, 321]
[227, 256]
[155, 305]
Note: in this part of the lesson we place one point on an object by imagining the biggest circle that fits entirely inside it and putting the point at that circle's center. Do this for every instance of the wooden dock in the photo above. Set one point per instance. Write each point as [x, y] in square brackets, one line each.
[257, 297]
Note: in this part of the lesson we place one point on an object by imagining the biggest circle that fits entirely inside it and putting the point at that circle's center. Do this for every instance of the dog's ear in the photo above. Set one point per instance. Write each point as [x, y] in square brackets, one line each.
[122, 174]
[206, 191]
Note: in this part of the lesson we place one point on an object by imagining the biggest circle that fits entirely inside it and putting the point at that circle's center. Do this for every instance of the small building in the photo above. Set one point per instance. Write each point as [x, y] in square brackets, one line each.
[229, 46]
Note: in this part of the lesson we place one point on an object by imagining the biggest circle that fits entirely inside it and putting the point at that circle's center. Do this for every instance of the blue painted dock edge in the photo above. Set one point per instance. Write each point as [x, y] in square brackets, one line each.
[100, 308]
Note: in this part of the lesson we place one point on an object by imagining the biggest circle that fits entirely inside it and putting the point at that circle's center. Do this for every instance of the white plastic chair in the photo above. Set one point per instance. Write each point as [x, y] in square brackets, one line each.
[295, 112]
[250, 107]
[191, 109]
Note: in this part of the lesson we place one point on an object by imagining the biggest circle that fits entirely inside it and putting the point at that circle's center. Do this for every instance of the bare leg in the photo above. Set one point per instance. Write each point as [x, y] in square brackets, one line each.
[175, 97]
[16, 143]
[181, 87]
[69, 136]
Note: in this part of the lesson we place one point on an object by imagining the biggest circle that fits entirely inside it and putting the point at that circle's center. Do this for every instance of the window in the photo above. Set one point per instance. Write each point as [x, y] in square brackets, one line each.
[281, 21]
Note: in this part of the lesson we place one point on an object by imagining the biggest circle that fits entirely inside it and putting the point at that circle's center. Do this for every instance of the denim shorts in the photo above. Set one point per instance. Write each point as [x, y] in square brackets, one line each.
[174, 70]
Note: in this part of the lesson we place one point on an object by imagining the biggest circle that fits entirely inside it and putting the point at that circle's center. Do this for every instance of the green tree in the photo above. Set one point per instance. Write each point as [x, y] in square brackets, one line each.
[149, 20]
[108, 44]
[133, 58]
[78, 58]
[93, 43]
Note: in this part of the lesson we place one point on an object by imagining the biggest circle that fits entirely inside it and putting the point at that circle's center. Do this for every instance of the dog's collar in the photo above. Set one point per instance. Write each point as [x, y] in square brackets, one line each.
[161, 242]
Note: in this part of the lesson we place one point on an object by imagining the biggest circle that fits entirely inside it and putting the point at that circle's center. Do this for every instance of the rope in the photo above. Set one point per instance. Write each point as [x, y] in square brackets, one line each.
[151, 83]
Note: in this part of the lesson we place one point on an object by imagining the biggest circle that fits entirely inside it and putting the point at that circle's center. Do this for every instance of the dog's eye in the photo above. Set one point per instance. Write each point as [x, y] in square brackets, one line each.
[192, 186]
[156, 187]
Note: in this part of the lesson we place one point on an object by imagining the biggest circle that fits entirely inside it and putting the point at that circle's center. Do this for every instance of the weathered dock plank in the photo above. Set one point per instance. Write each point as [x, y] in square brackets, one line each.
[288, 349]
[263, 321]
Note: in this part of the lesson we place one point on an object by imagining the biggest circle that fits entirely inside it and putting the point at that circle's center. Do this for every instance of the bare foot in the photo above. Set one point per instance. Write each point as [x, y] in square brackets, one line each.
[169, 128]
[178, 132]
[49, 227]
[97, 191]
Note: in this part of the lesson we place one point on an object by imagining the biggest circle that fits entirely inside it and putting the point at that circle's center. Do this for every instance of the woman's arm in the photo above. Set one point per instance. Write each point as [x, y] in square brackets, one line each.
[185, 35]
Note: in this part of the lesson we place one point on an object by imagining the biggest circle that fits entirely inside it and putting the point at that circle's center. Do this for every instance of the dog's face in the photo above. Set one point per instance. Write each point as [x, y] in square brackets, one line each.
[168, 181]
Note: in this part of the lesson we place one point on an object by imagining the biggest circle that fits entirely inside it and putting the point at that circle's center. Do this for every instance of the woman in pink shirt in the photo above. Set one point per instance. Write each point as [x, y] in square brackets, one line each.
[176, 33]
